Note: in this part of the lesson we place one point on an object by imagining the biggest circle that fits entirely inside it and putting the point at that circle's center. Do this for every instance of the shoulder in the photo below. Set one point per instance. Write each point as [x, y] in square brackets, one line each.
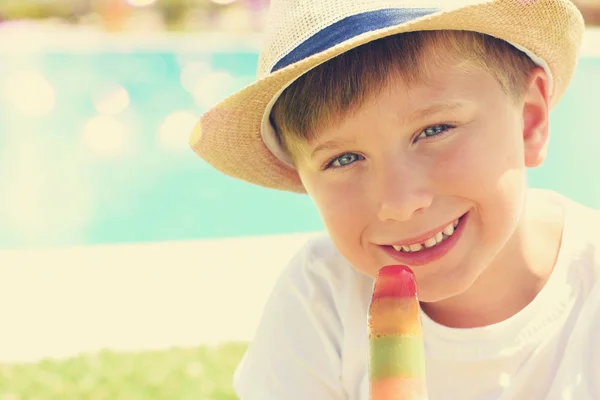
[582, 222]
[581, 234]
[320, 250]
[319, 263]
[295, 353]
[582, 238]
[580, 219]
[320, 281]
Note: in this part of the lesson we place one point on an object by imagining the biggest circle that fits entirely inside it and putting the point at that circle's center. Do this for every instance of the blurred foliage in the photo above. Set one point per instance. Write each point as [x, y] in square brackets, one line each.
[198, 373]
[30, 9]
[173, 12]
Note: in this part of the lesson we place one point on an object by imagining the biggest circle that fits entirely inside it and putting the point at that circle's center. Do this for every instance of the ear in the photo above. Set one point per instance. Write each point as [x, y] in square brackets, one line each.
[536, 118]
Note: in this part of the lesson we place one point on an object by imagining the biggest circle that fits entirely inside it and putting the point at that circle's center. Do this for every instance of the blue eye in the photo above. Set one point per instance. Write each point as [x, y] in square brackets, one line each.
[343, 160]
[434, 130]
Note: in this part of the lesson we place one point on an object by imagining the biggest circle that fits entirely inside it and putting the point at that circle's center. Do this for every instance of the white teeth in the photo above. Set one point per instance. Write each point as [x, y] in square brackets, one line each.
[439, 237]
[432, 241]
[449, 230]
[415, 247]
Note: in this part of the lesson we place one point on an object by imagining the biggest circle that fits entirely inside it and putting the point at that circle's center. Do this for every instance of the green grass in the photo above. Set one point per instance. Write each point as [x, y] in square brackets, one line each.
[177, 374]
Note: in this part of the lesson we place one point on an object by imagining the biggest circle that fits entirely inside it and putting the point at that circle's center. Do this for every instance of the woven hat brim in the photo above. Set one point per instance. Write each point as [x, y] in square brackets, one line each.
[228, 136]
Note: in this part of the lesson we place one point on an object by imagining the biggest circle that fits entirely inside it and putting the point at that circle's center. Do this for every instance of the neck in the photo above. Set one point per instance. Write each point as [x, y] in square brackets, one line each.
[515, 276]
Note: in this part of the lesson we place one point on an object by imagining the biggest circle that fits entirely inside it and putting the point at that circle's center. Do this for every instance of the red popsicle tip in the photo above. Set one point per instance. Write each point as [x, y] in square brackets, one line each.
[397, 281]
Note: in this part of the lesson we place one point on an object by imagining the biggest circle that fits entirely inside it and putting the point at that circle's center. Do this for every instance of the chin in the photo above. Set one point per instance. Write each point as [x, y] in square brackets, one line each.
[436, 296]
[445, 285]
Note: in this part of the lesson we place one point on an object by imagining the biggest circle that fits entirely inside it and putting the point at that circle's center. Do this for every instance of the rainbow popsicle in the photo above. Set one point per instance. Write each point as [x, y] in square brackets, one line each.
[396, 351]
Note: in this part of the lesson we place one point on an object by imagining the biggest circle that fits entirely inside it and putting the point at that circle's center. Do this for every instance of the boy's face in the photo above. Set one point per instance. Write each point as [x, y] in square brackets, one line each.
[413, 160]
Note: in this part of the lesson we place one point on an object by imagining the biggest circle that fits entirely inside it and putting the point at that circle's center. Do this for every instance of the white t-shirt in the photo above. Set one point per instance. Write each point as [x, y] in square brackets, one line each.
[312, 342]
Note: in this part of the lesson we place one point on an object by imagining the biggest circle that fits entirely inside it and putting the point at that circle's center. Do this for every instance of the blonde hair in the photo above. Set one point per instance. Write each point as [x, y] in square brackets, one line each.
[324, 94]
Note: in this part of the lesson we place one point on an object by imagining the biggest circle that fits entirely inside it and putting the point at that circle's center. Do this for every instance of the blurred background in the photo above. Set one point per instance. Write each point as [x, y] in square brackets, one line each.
[129, 269]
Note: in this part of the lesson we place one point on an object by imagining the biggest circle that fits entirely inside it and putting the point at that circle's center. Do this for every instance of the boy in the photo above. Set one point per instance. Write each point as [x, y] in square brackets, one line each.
[411, 129]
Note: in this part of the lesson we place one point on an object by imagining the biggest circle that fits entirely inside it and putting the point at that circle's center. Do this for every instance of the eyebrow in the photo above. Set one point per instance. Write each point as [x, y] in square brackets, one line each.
[331, 145]
[436, 109]
[416, 115]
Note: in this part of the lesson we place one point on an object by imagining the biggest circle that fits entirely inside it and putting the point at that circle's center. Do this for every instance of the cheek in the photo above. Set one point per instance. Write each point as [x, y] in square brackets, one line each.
[485, 159]
[341, 205]
[488, 170]
[344, 211]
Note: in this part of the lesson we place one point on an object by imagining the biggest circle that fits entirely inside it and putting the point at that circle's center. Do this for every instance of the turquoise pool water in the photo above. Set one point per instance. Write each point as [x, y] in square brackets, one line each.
[92, 150]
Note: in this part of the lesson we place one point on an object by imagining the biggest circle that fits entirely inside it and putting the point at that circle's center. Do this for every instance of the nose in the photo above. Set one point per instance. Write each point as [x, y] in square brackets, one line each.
[404, 191]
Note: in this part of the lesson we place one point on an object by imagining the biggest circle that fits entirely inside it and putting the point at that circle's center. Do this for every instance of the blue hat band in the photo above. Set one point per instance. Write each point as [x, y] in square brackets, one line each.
[348, 28]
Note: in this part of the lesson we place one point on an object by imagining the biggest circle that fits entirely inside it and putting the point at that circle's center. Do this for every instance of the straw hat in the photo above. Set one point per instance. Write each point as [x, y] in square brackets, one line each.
[236, 137]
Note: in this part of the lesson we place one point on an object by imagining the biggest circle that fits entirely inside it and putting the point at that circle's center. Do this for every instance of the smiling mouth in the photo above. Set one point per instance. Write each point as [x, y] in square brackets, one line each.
[431, 242]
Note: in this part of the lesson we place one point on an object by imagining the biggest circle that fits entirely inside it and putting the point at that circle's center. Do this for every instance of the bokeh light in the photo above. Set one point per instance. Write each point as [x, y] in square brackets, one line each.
[141, 3]
[112, 100]
[174, 132]
[105, 136]
[212, 87]
[192, 72]
[30, 93]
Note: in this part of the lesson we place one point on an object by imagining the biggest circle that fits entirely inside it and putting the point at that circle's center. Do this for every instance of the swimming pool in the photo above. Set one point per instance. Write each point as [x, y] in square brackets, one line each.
[93, 147]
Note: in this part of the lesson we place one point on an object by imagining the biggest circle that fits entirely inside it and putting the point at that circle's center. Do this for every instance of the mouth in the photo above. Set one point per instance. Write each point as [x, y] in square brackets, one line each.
[432, 241]
[428, 249]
